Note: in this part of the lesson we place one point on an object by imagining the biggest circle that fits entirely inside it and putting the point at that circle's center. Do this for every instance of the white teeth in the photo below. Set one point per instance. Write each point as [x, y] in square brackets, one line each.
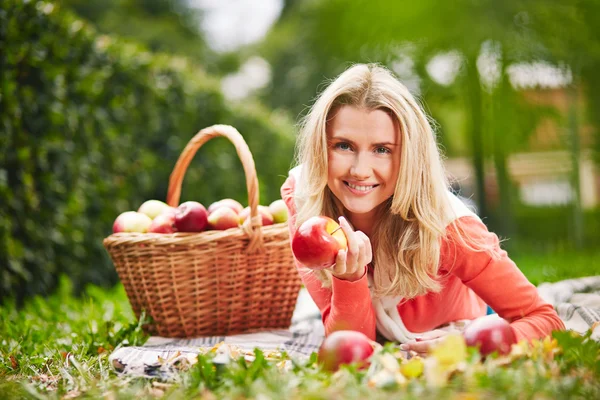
[360, 188]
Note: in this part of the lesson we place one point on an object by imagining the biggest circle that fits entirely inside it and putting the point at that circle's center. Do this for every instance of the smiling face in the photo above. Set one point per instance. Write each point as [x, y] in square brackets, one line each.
[363, 160]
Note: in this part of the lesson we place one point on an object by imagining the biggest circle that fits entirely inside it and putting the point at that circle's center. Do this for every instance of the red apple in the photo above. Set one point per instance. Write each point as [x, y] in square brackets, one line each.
[231, 203]
[267, 218]
[131, 221]
[223, 218]
[344, 347]
[315, 246]
[153, 208]
[279, 211]
[191, 216]
[164, 223]
[490, 333]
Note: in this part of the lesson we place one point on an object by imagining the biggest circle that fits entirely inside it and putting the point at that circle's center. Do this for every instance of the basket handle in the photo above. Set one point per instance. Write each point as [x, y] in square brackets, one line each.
[173, 195]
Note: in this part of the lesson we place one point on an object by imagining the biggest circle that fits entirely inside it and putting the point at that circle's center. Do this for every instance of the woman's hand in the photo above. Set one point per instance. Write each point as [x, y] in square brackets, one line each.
[423, 344]
[350, 264]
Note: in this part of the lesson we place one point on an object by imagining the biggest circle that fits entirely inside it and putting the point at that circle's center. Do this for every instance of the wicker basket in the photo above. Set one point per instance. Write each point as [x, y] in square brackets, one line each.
[213, 282]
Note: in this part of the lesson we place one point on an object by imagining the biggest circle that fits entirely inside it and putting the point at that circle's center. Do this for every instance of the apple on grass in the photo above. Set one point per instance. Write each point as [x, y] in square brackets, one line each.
[267, 218]
[132, 221]
[344, 347]
[153, 208]
[490, 333]
[223, 218]
[191, 216]
[279, 211]
[231, 203]
[317, 241]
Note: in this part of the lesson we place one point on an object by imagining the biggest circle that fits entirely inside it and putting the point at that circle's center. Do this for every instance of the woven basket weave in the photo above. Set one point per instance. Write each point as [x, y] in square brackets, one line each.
[213, 282]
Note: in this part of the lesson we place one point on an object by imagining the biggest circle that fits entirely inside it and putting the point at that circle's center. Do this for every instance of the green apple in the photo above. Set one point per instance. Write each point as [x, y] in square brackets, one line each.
[279, 211]
[132, 221]
[153, 208]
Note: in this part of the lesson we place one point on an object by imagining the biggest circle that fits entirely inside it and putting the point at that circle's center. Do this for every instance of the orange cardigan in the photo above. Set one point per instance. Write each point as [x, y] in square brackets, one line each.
[470, 280]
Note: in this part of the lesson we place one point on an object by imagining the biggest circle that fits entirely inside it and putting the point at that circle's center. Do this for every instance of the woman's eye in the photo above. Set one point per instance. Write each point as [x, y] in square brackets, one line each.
[342, 146]
[382, 150]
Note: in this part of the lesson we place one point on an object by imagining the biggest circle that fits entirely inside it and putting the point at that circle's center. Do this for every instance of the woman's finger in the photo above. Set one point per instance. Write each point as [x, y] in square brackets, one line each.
[436, 333]
[350, 235]
[352, 241]
[421, 347]
[340, 263]
[366, 244]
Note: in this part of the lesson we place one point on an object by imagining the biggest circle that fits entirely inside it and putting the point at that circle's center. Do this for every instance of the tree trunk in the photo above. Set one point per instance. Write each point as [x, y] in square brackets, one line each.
[500, 131]
[476, 130]
[575, 149]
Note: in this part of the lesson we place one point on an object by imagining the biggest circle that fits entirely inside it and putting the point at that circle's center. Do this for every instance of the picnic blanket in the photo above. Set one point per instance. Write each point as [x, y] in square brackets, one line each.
[162, 357]
[577, 302]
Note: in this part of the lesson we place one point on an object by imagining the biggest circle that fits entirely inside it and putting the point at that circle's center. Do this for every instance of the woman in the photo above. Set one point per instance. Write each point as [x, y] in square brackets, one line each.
[418, 259]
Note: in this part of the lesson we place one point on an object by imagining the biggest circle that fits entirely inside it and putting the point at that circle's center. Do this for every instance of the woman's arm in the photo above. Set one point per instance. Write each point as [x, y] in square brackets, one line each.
[500, 283]
[346, 305]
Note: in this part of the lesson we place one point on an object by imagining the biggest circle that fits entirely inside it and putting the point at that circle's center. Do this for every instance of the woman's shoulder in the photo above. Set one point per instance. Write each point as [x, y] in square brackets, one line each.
[460, 207]
[464, 228]
[289, 187]
[467, 238]
[296, 172]
[462, 220]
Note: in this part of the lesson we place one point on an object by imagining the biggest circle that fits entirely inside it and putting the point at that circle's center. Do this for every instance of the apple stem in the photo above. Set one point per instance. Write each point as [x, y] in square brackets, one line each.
[335, 230]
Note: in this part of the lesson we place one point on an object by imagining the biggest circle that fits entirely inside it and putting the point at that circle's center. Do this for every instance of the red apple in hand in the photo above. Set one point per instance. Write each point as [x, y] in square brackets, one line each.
[131, 221]
[344, 347]
[231, 203]
[164, 223]
[490, 333]
[223, 218]
[191, 216]
[317, 242]
[267, 218]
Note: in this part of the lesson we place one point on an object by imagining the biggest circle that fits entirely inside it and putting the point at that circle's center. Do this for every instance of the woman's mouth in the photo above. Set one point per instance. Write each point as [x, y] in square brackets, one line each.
[360, 189]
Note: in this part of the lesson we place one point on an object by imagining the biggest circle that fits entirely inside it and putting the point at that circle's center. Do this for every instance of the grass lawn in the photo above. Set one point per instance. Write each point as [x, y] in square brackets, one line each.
[557, 265]
[58, 347]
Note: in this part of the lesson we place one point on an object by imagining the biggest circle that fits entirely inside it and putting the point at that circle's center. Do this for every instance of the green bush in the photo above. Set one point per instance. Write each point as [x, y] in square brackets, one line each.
[91, 126]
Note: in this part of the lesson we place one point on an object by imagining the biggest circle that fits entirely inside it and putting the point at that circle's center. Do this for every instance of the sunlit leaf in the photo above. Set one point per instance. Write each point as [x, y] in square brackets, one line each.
[412, 368]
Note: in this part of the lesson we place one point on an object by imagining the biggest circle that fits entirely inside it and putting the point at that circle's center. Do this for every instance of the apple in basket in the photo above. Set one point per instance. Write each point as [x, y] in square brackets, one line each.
[153, 208]
[164, 223]
[267, 218]
[344, 347]
[223, 218]
[231, 203]
[490, 333]
[191, 216]
[132, 221]
[279, 211]
[317, 242]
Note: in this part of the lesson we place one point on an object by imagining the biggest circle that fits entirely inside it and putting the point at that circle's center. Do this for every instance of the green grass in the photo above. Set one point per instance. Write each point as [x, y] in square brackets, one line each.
[58, 347]
[556, 265]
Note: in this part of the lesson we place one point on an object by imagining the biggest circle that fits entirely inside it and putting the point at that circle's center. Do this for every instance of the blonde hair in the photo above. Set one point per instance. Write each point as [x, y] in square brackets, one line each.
[406, 243]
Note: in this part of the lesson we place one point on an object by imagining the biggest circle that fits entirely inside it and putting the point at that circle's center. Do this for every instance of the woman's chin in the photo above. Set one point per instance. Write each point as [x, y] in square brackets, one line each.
[359, 208]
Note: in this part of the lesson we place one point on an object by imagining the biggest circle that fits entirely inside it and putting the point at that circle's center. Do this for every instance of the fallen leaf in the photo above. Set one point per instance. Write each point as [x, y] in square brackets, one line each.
[450, 351]
[412, 368]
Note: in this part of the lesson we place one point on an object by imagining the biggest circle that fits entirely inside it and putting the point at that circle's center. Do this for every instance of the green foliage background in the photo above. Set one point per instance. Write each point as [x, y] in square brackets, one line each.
[482, 119]
[90, 126]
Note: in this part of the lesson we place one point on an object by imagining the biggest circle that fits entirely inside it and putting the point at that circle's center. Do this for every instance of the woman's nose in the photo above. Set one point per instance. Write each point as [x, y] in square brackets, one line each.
[360, 167]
